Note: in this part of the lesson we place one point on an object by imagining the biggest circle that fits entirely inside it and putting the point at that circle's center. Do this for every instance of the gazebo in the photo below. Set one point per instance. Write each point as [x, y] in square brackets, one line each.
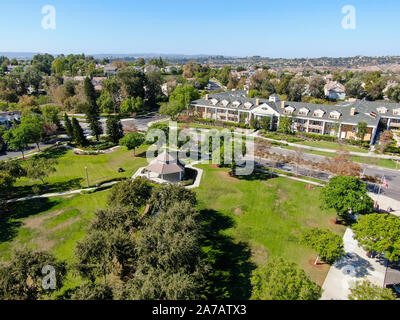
[166, 167]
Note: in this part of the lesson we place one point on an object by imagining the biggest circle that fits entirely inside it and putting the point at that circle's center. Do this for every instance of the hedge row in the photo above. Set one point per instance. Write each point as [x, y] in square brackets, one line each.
[213, 122]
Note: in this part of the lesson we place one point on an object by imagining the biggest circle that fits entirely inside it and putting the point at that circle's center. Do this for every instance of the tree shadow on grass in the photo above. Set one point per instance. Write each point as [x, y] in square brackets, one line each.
[11, 212]
[52, 153]
[257, 175]
[230, 261]
[26, 191]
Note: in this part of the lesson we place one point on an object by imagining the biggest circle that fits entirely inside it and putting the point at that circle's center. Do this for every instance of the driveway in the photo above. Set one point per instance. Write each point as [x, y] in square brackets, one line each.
[353, 267]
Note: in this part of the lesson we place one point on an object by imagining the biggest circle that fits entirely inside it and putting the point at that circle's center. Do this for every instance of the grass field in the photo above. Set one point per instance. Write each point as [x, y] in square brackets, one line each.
[54, 224]
[71, 172]
[267, 215]
[245, 221]
[332, 146]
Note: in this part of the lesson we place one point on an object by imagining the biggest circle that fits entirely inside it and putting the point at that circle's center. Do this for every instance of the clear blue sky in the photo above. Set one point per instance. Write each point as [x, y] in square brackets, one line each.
[272, 28]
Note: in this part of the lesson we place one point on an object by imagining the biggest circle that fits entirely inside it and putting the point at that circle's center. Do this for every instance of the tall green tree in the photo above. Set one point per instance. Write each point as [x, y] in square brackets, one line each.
[92, 110]
[380, 233]
[34, 124]
[280, 279]
[6, 182]
[132, 140]
[21, 277]
[114, 129]
[328, 245]
[347, 194]
[165, 196]
[39, 168]
[170, 264]
[285, 124]
[179, 99]
[77, 133]
[18, 138]
[361, 130]
[365, 290]
[68, 127]
[132, 193]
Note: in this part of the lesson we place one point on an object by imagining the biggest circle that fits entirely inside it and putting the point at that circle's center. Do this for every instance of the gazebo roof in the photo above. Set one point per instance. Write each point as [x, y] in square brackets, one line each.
[165, 157]
[164, 164]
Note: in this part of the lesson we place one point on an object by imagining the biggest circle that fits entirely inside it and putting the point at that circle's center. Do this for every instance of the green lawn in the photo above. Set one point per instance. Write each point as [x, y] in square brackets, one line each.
[53, 224]
[71, 172]
[245, 221]
[332, 146]
[267, 215]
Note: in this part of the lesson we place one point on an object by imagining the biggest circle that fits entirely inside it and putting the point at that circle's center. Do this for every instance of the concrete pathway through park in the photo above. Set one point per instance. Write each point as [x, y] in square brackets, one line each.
[58, 194]
[385, 203]
[352, 267]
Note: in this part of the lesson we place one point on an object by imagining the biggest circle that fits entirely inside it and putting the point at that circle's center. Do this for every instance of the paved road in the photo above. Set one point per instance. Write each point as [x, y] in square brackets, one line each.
[392, 176]
[31, 148]
[140, 122]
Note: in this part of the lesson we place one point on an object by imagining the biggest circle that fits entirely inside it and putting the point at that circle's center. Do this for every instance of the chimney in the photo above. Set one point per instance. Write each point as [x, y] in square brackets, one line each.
[257, 102]
[283, 104]
[207, 96]
[352, 111]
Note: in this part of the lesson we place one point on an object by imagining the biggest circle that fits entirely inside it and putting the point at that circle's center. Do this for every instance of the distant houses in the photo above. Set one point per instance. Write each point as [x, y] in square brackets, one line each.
[335, 91]
[109, 69]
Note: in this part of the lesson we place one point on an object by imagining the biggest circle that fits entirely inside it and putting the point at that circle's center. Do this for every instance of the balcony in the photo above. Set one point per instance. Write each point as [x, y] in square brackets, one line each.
[315, 126]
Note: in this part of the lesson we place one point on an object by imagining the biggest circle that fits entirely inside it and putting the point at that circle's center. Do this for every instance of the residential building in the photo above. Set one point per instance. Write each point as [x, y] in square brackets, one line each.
[110, 69]
[339, 120]
[334, 90]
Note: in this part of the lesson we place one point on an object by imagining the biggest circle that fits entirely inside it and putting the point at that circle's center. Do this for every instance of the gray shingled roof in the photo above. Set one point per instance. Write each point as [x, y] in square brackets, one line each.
[363, 108]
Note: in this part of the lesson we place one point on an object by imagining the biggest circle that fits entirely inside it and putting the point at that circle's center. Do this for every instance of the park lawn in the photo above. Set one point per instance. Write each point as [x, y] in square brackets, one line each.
[268, 215]
[71, 172]
[332, 145]
[50, 224]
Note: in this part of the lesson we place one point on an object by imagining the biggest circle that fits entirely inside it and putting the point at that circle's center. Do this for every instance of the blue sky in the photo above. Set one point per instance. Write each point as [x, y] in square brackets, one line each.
[271, 28]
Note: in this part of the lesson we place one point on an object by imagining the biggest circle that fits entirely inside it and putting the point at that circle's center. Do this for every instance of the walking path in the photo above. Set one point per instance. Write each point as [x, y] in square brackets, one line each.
[352, 267]
[58, 194]
[385, 203]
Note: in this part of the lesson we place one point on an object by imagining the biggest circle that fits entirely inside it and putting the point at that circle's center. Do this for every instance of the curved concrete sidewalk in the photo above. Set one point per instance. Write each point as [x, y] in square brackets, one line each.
[58, 194]
[354, 266]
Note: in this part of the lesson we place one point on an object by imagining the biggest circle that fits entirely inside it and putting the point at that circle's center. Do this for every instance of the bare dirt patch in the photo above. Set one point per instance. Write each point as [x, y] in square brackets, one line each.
[36, 222]
[44, 244]
[318, 266]
[282, 197]
[214, 166]
[259, 255]
[268, 184]
[226, 175]
[65, 224]
[238, 211]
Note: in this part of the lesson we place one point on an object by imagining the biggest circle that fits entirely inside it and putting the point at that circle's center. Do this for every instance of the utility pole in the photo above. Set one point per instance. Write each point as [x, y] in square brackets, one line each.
[87, 177]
